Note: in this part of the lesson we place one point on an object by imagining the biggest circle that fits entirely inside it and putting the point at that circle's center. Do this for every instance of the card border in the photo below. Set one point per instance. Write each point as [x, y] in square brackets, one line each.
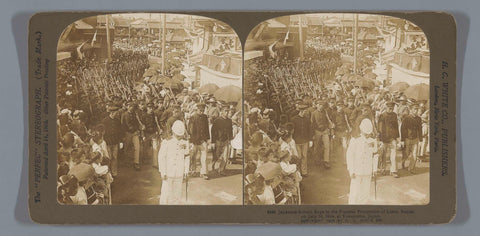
[440, 29]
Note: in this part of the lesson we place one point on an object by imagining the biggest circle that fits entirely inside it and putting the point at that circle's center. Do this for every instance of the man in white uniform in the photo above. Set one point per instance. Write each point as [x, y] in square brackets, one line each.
[171, 165]
[360, 164]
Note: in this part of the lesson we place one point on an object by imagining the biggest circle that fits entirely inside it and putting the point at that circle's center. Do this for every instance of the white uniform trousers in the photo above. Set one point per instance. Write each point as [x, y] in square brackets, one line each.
[171, 191]
[360, 189]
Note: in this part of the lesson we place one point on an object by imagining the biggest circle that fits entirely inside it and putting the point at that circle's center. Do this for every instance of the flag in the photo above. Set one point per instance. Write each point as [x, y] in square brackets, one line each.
[79, 50]
[286, 36]
[94, 38]
[270, 49]
[414, 64]
[224, 64]
[218, 25]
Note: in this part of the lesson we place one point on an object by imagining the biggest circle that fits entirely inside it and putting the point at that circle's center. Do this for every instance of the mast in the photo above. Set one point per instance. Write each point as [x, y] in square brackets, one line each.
[300, 36]
[109, 49]
[355, 43]
[163, 42]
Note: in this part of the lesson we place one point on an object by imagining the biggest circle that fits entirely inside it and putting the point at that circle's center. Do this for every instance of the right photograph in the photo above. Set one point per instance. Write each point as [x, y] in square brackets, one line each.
[336, 111]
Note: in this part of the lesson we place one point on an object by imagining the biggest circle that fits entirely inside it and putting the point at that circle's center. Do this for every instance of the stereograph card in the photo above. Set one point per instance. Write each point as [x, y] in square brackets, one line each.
[293, 117]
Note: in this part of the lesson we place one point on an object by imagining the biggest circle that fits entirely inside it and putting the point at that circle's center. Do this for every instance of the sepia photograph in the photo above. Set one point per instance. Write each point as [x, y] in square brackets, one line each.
[336, 111]
[149, 111]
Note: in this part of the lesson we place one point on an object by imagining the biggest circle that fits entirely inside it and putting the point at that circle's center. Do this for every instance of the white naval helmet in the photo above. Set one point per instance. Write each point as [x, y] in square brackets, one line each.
[366, 126]
[178, 128]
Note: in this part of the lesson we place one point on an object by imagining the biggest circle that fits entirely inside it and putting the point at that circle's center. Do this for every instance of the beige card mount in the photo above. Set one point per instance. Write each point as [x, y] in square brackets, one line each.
[301, 117]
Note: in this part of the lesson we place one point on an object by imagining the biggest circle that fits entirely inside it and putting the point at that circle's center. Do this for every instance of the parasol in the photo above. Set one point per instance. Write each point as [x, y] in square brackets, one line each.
[398, 87]
[370, 75]
[208, 88]
[269, 170]
[365, 83]
[347, 77]
[230, 93]
[158, 79]
[82, 172]
[174, 84]
[178, 77]
[150, 72]
[419, 92]
[344, 69]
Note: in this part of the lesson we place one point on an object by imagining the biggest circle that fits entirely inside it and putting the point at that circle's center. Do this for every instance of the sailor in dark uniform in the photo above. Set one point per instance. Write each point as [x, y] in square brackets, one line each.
[222, 134]
[388, 135]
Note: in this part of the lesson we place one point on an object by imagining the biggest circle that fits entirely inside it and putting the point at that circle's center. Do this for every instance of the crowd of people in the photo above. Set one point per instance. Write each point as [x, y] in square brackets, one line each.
[139, 44]
[302, 110]
[275, 82]
[108, 111]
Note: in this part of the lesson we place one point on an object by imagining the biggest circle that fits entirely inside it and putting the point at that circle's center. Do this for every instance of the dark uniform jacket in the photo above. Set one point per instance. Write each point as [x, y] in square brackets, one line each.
[388, 127]
[166, 114]
[309, 111]
[320, 120]
[302, 129]
[113, 130]
[356, 112]
[332, 112]
[292, 113]
[341, 122]
[411, 128]
[149, 121]
[349, 112]
[222, 130]
[158, 115]
[198, 129]
[130, 122]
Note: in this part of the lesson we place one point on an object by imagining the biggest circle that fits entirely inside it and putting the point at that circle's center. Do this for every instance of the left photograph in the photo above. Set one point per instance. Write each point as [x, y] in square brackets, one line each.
[149, 111]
